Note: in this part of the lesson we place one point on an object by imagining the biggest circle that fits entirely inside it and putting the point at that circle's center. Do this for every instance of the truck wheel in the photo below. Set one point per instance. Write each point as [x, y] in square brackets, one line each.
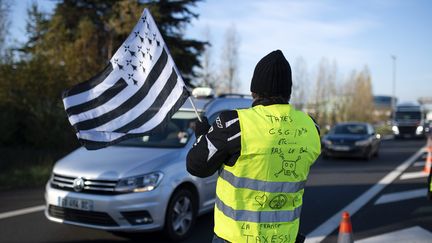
[181, 214]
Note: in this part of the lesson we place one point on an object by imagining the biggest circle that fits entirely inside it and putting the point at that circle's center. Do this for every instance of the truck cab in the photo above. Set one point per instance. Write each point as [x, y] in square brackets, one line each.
[408, 120]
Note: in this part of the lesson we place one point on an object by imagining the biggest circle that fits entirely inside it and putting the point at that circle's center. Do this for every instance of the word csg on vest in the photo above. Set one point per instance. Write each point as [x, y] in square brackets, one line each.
[259, 199]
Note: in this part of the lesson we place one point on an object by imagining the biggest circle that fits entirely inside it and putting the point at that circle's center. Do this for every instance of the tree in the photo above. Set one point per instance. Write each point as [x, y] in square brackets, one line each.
[324, 93]
[300, 91]
[4, 23]
[99, 27]
[70, 46]
[172, 17]
[229, 61]
[360, 106]
[207, 75]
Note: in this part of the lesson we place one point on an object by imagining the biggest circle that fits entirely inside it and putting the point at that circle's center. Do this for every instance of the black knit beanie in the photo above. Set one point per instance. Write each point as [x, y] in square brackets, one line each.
[272, 76]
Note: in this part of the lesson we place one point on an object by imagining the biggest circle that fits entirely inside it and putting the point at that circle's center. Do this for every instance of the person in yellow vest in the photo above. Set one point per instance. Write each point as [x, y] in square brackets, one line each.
[263, 155]
[429, 181]
[429, 184]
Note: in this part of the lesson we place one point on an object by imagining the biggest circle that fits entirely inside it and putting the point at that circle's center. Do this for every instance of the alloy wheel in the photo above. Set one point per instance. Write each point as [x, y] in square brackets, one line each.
[182, 215]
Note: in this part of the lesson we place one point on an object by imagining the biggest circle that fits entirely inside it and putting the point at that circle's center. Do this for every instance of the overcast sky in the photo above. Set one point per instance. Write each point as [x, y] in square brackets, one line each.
[352, 33]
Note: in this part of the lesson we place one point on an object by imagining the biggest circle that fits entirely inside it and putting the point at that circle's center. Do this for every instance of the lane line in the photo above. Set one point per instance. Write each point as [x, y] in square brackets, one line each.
[325, 229]
[400, 196]
[419, 164]
[414, 234]
[413, 175]
[22, 211]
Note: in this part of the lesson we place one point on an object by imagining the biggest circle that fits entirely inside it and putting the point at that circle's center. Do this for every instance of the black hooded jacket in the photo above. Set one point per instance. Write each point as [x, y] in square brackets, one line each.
[221, 145]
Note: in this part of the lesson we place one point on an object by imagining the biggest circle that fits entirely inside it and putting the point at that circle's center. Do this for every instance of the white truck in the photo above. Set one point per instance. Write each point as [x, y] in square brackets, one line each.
[408, 120]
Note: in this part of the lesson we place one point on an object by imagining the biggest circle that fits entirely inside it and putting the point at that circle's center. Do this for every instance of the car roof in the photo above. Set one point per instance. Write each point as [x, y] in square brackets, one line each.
[209, 106]
[352, 123]
[199, 104]
[227, 103]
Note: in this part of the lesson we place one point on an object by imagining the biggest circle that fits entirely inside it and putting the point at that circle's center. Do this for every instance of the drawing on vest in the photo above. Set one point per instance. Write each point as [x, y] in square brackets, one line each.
[261, 200]
[297, 201]
[288, 166]
[278, 201]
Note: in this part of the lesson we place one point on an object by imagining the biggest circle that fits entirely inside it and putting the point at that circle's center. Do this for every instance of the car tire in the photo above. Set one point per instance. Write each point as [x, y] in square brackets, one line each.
[181, 214]
[324, 156]
[376, 154]
[368, 155]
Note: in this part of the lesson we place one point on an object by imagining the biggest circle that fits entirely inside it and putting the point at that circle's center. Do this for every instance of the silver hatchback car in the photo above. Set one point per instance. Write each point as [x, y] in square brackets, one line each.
[140, 184]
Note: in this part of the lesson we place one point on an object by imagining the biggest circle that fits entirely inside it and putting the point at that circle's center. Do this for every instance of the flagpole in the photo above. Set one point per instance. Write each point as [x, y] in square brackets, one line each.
[193, 106]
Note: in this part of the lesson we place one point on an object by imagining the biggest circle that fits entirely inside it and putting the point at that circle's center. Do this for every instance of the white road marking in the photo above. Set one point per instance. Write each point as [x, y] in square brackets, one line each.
[413, 175]
[322, 231]
[414, 234]
[22, 211]
[399, 196]
[419, 164]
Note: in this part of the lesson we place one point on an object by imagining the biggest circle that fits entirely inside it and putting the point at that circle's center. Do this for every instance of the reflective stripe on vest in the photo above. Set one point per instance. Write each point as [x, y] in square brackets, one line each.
[280, 216]
[258, 185]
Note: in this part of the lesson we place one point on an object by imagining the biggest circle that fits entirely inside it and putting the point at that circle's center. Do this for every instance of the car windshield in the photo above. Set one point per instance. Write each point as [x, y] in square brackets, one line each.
[356, 129]
[175, 135]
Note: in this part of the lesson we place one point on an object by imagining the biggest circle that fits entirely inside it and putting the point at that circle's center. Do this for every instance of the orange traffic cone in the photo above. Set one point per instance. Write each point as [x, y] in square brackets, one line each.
[345, 229]
[428, 164]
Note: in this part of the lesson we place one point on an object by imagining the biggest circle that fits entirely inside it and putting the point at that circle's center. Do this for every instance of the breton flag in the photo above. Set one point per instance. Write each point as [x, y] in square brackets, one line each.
[136, 94]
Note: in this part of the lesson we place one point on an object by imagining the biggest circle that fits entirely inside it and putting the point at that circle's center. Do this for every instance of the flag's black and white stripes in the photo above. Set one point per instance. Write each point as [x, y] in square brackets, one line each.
[137, 93]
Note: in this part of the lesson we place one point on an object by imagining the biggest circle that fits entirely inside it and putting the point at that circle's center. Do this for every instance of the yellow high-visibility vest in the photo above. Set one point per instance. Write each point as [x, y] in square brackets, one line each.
[259, 199]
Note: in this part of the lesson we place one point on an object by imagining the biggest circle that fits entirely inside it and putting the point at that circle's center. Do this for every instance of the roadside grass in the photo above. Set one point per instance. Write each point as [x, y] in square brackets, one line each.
[384, 130]
[26, 168]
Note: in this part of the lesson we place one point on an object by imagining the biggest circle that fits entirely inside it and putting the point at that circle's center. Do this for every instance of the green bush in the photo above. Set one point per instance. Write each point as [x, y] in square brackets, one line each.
[384, 130]
[22, 167]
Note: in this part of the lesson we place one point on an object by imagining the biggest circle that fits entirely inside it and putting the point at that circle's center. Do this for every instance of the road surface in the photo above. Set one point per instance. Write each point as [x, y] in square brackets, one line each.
[385, 195]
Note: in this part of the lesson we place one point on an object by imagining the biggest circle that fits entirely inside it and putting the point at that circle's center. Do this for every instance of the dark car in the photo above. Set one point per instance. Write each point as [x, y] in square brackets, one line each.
[351, 139]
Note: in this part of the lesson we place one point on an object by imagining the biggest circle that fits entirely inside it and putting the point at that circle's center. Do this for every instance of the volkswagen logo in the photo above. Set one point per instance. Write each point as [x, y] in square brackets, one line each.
[78, 184]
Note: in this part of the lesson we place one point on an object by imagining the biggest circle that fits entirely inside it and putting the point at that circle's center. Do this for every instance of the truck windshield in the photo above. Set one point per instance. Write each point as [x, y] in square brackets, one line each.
[408, 115]
[175, 135]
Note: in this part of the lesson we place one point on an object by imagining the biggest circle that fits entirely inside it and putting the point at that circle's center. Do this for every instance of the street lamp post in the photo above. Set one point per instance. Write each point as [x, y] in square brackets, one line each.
[393, 101]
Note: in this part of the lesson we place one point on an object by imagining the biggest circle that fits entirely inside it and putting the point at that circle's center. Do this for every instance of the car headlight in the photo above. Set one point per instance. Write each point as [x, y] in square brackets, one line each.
[143, 183]
[395, 130]
[363, 142]
[327, 142]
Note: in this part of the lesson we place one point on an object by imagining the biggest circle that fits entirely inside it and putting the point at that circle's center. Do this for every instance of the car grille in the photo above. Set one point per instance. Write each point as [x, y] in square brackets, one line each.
[343, 142]
[80, 216]
[90, 186]
[407, 130]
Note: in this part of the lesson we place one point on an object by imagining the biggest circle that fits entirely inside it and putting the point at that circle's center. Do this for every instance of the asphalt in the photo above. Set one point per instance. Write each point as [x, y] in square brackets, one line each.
[332, 185]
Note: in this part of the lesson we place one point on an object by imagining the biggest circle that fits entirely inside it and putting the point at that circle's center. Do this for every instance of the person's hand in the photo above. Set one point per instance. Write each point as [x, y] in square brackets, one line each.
[201, 128]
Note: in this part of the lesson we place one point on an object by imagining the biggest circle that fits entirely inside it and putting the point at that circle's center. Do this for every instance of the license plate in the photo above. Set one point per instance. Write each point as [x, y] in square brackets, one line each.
[341, 148]
[75, 203]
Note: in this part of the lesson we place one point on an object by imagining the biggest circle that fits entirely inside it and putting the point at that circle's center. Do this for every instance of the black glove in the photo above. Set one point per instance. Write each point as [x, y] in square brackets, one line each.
[201, 128]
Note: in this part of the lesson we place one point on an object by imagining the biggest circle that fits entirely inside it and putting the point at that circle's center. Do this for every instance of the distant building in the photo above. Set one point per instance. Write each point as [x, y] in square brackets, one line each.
[426, 102]
[383, 101]
[383, 107]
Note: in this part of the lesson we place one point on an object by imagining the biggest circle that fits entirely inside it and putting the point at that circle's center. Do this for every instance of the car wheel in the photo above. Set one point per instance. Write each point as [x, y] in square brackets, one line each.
[368, 155]
[181, 214]
[324, 156]
[376, 154]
